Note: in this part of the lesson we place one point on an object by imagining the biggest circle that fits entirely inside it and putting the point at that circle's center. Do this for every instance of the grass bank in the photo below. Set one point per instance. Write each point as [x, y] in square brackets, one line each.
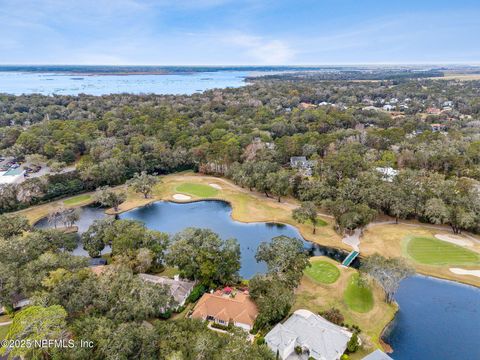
[375, 314]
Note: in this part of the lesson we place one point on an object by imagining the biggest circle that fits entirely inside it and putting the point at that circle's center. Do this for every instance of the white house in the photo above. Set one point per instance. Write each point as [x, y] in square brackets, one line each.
[12, 176]
[388, 173]
[315, 336]
[377, 355]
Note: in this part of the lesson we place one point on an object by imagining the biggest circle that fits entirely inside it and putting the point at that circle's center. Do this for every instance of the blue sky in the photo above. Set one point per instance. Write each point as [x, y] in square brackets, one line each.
[239, 32]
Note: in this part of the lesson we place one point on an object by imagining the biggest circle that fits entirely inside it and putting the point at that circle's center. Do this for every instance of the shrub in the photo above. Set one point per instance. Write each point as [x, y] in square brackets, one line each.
[352, 344]
[166, 315]
[333, 315]
[196, 293]
[260, 340]
[298, 350]
[179, 309]
[220, 326]
[344, 357]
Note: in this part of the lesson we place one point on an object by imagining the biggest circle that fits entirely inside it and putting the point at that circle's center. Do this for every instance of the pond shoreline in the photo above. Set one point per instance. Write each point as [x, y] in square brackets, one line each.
[139, 202]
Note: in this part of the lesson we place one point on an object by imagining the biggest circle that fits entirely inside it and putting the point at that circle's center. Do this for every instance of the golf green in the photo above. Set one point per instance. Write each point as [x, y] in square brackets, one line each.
[432, 251]
[357, 296]
[323, 272]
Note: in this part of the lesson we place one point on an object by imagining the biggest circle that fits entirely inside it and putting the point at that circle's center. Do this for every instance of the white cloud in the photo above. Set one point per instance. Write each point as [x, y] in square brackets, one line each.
[262, 50]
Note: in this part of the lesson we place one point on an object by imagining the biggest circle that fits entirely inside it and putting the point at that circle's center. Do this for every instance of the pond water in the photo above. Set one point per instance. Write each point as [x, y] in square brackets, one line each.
[172, 217]
[216, 215]
[437, 320]
[88, 214]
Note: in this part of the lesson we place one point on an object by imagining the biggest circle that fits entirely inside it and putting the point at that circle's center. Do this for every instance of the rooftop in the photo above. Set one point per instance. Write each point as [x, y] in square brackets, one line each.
[179, 288]
[377, 355]
[323, 339]
[238, 307]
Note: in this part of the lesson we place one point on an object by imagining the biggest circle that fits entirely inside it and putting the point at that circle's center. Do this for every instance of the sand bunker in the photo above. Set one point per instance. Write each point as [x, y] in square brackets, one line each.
[216, 186]
[465, 272]
[454, 239]
[181, 197]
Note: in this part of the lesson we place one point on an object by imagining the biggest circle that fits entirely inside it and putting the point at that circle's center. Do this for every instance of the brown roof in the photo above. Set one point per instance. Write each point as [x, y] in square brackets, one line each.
[99, 269]
[239, 308]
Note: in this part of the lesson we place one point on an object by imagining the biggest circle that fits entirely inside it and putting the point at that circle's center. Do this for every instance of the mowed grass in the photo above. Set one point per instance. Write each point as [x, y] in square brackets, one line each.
[199, 190]
[77, 199]
[431, 251]
[357, 297]
[4, 331]
[323, 272]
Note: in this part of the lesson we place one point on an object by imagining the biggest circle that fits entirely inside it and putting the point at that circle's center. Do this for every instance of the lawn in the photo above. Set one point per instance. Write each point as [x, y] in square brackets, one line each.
[199, 190]
[432, 251]
[317, 297]
[77, 199]
[4, 331]
[323, 272]
[358, 298]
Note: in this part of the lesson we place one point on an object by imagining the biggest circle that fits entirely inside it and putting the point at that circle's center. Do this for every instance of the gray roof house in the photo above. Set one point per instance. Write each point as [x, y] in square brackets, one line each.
[301, 163]
[318, 338]
[179, 288]
[377, 355]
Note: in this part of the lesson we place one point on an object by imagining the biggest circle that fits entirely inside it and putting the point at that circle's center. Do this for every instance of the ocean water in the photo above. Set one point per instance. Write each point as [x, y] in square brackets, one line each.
[46, 83]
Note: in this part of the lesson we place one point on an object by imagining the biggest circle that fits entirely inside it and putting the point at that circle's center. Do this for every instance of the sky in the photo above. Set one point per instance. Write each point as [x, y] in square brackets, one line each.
[239, 32]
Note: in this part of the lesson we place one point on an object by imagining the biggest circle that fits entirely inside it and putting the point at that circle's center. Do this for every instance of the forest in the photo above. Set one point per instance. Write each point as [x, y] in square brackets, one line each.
[429, 138]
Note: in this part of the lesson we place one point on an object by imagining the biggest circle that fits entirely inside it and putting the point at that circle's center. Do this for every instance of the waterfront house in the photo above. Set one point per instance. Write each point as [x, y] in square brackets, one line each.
[306, 335]
[224, 307]
[377, 355]
[179, 288]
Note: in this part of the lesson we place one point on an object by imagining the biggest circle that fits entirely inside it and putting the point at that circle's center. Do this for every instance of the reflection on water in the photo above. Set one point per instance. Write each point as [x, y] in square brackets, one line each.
[88, 214]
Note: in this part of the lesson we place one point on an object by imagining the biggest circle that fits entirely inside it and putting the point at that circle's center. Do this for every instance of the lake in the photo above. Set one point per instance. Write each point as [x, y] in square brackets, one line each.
[19, 83]
[437, 320]
[172, 217]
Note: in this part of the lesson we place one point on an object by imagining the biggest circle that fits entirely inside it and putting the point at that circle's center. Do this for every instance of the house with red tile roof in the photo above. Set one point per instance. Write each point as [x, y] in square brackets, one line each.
[224, 308]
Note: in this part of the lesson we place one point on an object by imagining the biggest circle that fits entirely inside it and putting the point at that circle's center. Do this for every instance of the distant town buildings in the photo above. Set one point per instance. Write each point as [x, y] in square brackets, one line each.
[434, 111]
[438, 127]
[305, 106]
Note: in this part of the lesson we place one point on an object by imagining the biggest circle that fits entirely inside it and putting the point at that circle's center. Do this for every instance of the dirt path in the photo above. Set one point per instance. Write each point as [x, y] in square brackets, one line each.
[353, 240]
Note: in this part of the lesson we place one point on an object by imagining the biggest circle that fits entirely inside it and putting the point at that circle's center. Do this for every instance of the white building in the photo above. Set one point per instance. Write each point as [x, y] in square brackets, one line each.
[318, 338]
[388, 173]
[12, 176]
